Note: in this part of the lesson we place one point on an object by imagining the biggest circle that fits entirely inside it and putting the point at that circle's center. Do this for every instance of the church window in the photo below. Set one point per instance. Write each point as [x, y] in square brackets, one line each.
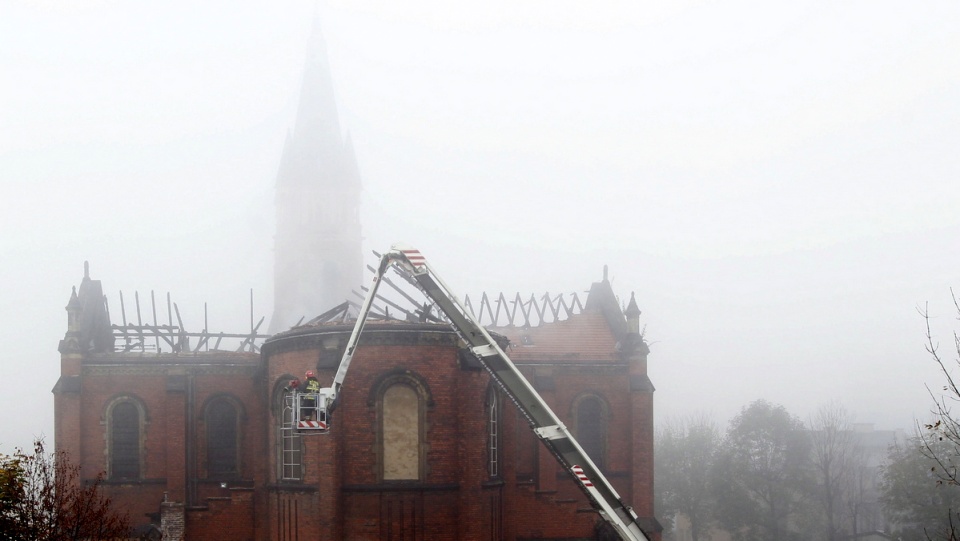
[124, 439]
[590, 414]
[401, 433]
[401, 399]
[493, 432]
[222, 425]
[289, 461]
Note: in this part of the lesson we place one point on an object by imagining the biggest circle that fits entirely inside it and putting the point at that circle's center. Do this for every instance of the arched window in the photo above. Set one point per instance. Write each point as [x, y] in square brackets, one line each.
[221, 418]
[401, 433]
[493, 432]
[401, 398]
[289, 456]
[125, 418]
[591, 422]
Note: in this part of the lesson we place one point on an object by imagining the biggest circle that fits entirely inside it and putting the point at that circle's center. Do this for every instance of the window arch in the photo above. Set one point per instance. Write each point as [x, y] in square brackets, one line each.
[590, 414]
[289, 450]
[222, 421]
[125, 417]
[493, 431]
[401, 413]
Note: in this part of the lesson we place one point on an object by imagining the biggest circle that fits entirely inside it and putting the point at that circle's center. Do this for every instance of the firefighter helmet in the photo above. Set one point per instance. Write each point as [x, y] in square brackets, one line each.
[311, 374]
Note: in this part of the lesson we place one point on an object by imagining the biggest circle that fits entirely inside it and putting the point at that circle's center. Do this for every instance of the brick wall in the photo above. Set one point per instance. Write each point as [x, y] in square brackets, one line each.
[223, 518]
[170, 390]
[342, 495]
[172, 521]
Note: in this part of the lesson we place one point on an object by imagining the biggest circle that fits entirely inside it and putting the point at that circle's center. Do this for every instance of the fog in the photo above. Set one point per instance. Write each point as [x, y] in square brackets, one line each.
[777, 183]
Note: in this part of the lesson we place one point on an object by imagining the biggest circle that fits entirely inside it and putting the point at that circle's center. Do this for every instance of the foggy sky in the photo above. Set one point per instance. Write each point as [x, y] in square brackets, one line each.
[778, 184]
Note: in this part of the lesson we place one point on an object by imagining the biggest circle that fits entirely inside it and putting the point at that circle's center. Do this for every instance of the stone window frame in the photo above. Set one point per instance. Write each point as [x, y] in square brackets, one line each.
[604, 425]
[286, 434]
[108, 422]
[493, 410]
[425, 403]
[240, 417]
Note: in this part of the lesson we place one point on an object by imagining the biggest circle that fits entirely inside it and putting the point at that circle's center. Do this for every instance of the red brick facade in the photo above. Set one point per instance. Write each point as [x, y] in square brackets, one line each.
[339, 485]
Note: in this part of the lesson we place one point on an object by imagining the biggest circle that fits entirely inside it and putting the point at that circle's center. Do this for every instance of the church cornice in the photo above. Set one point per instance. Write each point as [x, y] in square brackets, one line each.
[133, 369]
[375, 334]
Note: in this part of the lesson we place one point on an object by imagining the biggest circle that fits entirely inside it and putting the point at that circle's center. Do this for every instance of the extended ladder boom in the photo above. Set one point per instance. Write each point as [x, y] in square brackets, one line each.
[546, 425]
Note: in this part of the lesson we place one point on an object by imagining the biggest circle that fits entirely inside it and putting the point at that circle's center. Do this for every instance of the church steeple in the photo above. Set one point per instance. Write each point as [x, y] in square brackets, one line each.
[318, 123]
[317, 252]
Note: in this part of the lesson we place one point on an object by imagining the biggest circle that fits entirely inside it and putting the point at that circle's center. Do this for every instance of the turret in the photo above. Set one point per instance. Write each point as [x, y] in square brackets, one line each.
[71, 340]
[632, 314]
[73, 311]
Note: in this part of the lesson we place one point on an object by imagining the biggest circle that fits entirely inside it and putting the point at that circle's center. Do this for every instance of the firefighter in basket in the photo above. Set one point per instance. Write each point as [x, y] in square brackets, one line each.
[308, 404]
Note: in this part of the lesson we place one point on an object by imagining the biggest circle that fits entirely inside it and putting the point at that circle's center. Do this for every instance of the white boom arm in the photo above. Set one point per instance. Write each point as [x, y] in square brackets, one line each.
[546, 425]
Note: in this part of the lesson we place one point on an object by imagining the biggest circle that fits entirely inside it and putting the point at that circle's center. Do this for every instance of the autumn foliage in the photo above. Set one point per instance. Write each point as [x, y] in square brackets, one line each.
[42, 498]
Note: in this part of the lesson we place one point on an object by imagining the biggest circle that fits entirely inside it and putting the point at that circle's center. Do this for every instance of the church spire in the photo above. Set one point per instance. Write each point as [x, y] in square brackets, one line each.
[317, 123]
[317, 258]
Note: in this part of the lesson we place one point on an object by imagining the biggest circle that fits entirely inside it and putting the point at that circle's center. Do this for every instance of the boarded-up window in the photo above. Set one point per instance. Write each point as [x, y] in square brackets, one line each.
[125, 441]
[401, 433]
[590, 428]
[222, 438]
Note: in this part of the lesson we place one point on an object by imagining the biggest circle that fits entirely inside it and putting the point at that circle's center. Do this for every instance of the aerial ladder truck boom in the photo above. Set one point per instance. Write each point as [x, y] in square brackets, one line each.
[544, 422]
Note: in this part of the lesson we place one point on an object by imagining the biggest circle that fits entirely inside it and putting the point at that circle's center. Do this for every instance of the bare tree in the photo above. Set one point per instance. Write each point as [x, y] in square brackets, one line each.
[940, 438]
[685, 452]
[42, 499]
[835, 455]
[860, 504]
[944, 427]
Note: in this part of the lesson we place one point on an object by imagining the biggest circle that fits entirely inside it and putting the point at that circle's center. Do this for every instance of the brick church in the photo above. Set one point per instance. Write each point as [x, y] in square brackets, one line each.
[197, 442]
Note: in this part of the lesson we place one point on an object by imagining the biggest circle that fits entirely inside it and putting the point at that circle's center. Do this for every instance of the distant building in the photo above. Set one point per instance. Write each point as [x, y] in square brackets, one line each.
[868, 536]
[197, 440]
[875, 446]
